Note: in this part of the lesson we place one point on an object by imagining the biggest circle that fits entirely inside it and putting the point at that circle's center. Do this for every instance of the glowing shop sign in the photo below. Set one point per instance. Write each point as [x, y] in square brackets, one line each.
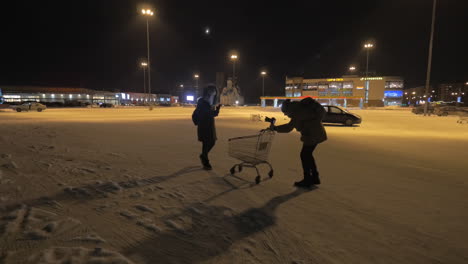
[393, 94]
[335, 80]
[372, 79]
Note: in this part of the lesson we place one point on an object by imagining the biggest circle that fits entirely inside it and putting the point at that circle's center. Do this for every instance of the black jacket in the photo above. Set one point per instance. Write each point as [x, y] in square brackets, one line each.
[306, 118]
[206, 122]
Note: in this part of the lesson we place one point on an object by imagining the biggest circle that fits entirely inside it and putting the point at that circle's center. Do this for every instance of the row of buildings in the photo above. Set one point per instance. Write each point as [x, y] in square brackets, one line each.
[78, 96]
[445, 92]
[349, 90]
[346, 91]
[353, 90]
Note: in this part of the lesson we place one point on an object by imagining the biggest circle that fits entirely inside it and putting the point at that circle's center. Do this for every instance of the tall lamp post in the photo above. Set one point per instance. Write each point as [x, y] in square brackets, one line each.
[144, 65]
[234, 58]
[148, 13]
[367, 46]
[196, 76]
[352, 69]
[429, 60]
[263, 73]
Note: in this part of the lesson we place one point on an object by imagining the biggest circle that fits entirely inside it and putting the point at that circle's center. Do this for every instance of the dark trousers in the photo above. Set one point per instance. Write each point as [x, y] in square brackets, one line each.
[206, 147]
[308, 162]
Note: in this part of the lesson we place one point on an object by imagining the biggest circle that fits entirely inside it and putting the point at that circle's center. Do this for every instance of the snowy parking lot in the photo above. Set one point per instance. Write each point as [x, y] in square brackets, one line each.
[125, 186]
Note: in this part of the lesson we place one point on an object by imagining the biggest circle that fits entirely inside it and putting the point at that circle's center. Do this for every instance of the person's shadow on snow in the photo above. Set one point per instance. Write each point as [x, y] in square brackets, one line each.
[211, 232]
[96, 191]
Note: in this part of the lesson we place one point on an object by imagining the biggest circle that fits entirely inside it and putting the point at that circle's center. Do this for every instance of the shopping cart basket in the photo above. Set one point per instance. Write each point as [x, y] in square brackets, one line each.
[252, 151]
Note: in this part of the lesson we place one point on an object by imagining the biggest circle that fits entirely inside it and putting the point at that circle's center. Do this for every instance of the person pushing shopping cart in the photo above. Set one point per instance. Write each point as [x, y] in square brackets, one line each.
[306, 117]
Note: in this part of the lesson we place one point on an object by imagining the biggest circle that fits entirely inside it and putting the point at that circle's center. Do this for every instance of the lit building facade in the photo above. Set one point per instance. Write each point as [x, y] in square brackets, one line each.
[75, 96]
[20, 94]
[348, 90]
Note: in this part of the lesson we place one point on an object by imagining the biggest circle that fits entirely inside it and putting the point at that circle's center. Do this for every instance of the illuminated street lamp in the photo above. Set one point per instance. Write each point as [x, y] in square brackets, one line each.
[367, 46]
[352, 68]
[234, 58]
[148, 13]
[144, 65]
[263, 73]
[196, 76]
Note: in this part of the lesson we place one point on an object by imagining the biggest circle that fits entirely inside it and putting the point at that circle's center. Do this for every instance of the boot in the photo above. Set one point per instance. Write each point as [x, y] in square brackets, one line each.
[305, 183]
[315, 179]
[205, 162]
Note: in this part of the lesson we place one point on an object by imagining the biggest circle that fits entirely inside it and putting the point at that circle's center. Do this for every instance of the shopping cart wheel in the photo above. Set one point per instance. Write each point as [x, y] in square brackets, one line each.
[240, 168]
[257, 179]
[270, 174]
[233, 170]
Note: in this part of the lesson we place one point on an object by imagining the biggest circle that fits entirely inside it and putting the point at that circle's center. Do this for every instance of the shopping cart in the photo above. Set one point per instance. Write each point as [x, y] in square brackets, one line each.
[253, 150]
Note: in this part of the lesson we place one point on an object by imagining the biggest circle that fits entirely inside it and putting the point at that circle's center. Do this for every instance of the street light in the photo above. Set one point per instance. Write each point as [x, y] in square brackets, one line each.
[367, 46]
[148, 13]
[263, 73]
[144, 65]
[234, 58]
[196, 76]
[352, 68]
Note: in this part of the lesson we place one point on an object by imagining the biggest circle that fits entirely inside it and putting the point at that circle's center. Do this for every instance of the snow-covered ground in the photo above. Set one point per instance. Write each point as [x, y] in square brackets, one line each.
[125, 186]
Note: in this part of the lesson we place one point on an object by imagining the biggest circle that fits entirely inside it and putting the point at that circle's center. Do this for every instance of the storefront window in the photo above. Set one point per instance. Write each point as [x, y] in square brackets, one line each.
[348, 85]
[323, 89]
[311, 86]
[394, 85]
[334, 88]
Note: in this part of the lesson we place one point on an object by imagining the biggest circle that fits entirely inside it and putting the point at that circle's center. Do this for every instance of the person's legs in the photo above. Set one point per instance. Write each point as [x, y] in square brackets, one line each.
[313, 168]
[306, 154]
[206, 148]
[309, 167]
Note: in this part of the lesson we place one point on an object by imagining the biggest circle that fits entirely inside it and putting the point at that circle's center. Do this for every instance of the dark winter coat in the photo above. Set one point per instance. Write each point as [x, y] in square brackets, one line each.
[206, 121]
[306, 117]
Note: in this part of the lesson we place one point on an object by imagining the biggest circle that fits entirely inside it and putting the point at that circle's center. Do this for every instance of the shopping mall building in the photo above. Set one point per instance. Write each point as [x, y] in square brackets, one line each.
[65, 96]
[346, 91]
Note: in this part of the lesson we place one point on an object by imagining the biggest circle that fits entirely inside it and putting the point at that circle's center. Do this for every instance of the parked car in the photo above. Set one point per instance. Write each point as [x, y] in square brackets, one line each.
[451, 110]
[29, 107]
[339, 115]
[106, 105]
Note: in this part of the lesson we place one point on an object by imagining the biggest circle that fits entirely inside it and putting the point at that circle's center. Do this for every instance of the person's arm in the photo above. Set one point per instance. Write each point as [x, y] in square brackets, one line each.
[216, 111]
[206, 110]
[286, 128]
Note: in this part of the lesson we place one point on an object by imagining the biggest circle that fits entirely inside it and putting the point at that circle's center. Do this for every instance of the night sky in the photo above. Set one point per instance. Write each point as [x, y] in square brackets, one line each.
[97, 44]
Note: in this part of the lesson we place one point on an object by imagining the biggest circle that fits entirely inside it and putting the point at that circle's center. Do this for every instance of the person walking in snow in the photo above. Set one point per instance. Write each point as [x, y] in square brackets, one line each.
[204, 118]
[306, 117]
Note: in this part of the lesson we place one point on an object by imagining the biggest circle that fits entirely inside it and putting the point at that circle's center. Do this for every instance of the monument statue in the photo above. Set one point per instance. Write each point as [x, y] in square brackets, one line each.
[231, 94]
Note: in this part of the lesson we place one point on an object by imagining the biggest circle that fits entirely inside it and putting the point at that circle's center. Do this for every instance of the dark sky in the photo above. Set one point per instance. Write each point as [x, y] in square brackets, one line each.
[96, 44]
